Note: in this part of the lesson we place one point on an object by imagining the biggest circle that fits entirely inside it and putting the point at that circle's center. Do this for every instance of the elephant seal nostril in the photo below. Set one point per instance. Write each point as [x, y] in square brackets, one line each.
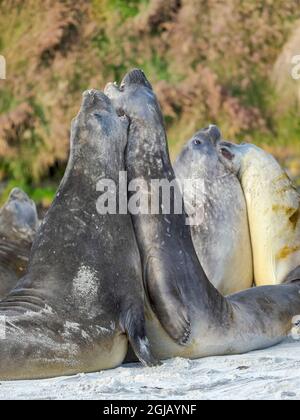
[214, 133]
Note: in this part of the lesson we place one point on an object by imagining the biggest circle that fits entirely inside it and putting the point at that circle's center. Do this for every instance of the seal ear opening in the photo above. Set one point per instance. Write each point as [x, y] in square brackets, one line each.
[226, 154]
[225, 149]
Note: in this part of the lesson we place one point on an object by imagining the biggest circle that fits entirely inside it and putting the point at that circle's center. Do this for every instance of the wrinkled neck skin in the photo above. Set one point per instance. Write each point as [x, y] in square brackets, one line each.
[146, 154]
[85, 160]
[14, 255]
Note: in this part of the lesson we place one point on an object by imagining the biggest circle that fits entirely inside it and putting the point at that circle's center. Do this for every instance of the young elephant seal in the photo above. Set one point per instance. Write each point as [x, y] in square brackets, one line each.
[273, 209]
[82, 296]
[18, 226]
[186, 315]
[218, 220]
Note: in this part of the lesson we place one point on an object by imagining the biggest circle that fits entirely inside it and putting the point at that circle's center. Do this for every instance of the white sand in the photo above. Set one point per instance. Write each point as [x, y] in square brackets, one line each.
[267, 374]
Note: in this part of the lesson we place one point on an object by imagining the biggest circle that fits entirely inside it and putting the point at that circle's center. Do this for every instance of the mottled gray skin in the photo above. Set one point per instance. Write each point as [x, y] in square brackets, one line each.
[186, 315]
[219, 221]
[294, 275]
[18, 226]
[82, 297]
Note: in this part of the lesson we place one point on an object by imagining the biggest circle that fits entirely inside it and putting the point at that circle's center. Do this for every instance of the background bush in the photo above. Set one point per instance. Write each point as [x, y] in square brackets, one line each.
[209, 61]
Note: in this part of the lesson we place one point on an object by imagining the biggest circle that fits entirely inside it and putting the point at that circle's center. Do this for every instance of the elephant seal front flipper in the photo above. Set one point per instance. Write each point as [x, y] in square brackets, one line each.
[167, 299]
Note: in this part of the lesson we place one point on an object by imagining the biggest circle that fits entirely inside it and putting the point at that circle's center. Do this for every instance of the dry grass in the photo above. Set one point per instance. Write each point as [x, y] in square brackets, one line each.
[209, 61]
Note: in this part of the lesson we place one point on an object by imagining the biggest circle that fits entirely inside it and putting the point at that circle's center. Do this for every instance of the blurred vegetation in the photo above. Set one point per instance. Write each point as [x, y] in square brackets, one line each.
[209, 61]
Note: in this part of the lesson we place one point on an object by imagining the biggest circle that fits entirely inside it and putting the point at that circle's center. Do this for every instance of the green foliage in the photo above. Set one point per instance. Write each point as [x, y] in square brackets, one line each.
[7, 100]
[107, 47]
[288, 129]
[126, 8]
[157, 67]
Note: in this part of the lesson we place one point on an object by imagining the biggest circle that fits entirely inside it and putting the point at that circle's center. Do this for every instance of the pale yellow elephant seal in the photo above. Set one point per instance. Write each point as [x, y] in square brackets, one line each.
[273, 210]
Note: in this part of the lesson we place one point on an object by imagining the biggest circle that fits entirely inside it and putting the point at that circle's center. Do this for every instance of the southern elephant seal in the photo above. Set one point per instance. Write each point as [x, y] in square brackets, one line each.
[185, 315]
[273, 208]
[82, 297]
[215, 203]
[18, 226]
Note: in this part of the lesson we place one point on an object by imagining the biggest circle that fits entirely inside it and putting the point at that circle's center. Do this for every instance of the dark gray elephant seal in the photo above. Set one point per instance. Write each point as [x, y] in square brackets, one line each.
[18, 226]
[82, 298]
[218, 221]
[186, 315]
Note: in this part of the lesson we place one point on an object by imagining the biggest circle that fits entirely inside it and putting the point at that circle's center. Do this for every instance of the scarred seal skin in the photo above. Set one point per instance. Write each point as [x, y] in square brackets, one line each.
[186, 315]
[18, 226]
[273, 207]
[82, 297]
[218, 218]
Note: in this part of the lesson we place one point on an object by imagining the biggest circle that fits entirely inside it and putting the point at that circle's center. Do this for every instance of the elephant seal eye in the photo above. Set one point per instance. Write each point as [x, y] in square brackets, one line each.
[197, 142]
